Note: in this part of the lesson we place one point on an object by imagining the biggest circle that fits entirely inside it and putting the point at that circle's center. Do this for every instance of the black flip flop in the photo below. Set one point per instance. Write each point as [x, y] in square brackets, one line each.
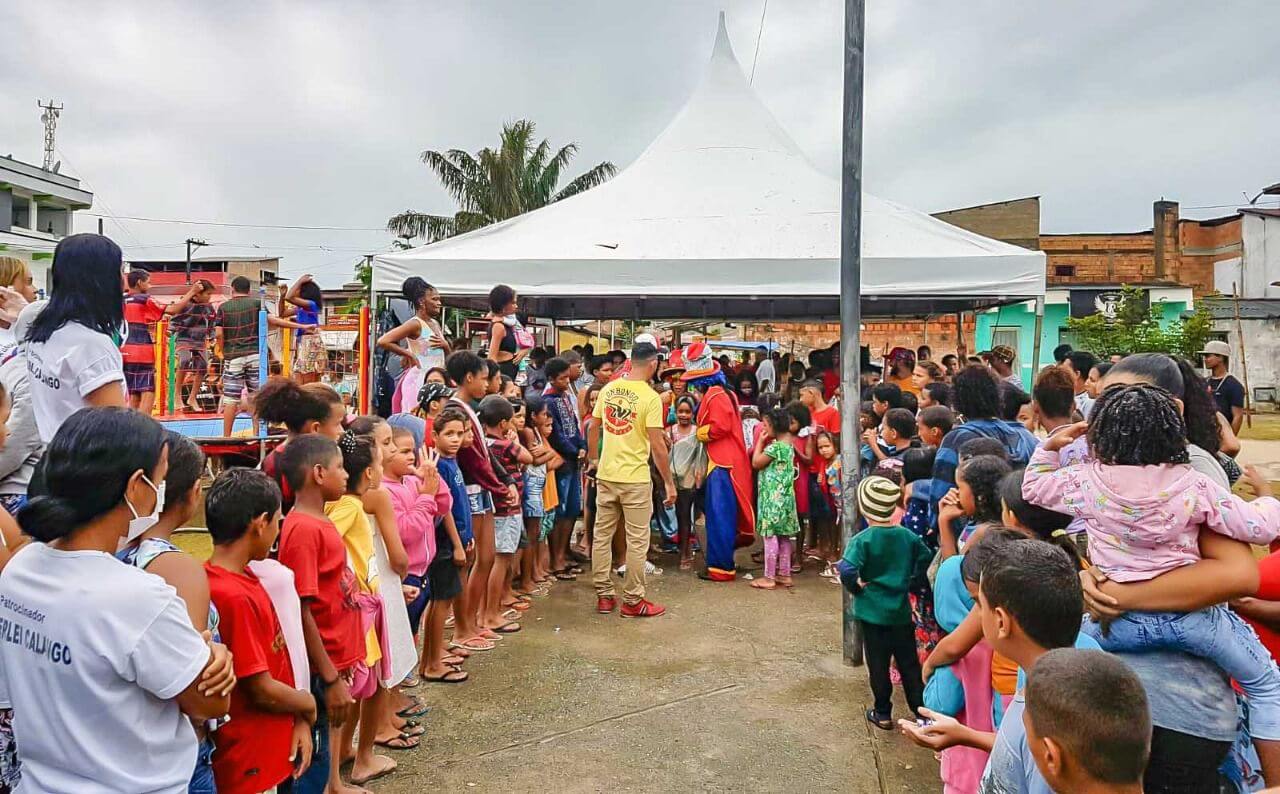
[450, 677]
[874, 719]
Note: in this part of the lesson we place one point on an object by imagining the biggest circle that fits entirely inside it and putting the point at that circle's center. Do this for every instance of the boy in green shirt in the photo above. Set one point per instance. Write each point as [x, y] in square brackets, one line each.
[878, 567]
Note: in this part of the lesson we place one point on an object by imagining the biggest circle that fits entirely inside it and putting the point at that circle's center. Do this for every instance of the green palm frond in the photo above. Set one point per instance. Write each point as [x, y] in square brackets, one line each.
[496, 184]
[597, 175]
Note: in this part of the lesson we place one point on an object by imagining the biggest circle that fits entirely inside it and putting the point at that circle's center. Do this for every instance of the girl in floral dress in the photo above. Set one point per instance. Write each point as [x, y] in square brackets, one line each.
[774, 456]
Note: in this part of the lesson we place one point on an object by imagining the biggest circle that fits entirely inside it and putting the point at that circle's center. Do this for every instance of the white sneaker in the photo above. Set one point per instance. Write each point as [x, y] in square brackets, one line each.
[649, 569]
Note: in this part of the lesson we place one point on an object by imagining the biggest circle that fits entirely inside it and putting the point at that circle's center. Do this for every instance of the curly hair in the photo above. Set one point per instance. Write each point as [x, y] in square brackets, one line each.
[1137, 425]
[975, 393]
[983, 475]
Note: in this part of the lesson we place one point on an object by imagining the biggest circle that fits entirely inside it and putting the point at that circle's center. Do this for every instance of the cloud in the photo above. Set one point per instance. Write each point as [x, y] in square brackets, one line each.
[315, 113]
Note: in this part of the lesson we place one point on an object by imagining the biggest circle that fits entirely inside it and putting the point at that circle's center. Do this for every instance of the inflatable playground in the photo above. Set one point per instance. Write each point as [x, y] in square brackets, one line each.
[248, 443]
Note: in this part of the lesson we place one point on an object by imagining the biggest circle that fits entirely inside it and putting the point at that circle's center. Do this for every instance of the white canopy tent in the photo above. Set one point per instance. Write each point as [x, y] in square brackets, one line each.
[722, 217]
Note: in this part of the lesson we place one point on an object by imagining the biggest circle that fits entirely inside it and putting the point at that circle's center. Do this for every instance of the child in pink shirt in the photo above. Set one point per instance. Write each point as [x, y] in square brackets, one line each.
[1142, 505]
[418, 497]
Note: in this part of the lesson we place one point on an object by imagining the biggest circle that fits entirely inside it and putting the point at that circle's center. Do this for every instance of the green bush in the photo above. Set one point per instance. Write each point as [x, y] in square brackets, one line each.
[1137, 328]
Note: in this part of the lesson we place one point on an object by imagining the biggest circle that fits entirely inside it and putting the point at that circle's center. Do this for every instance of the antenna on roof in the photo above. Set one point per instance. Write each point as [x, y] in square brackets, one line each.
[50, 119]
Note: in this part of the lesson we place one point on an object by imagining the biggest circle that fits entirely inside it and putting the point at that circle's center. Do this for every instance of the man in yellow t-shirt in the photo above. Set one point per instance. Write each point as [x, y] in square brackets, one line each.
[628, 417]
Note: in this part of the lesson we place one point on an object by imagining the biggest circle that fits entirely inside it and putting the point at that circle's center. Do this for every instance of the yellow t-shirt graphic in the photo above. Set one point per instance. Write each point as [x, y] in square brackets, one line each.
[627, 410]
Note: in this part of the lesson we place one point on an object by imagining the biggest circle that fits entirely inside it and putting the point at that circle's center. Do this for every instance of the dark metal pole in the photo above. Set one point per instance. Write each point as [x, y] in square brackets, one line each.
[188, 260]
[851, 297]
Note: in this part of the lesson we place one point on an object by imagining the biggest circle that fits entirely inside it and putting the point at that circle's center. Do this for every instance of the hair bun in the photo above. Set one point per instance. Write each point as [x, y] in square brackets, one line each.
[47, 518]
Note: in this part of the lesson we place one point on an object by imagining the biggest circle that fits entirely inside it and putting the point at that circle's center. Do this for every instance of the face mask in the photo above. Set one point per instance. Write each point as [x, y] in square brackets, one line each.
[139, 524]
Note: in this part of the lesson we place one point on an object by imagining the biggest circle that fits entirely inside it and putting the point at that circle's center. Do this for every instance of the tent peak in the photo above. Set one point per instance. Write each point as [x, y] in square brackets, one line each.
[723, 48]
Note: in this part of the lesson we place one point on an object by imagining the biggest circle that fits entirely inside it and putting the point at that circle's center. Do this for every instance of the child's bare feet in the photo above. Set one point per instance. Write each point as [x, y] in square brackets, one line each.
[764, 584]
[367, 770]
[686, 563]
[785, 581]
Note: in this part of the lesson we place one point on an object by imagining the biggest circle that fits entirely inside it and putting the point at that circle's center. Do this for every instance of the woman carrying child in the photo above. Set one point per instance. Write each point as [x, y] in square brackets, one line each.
[775, 458]
[1142, 505]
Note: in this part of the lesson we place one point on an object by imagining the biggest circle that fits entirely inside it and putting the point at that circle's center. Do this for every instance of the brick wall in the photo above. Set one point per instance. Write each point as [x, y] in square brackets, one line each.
[1203, 244]
[1016, 221]
[877, 335]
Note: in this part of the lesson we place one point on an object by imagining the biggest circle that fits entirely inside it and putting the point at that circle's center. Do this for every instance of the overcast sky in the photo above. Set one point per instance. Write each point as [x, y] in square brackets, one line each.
[314, 113]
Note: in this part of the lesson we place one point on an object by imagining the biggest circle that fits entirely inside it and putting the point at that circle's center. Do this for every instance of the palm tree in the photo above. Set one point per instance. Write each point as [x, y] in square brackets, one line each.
[494, 185]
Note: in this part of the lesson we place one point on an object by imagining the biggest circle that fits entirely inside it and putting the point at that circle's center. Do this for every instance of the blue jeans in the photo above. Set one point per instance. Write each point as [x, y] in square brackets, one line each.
[314, 780]
[1216, 634]
[569, 490]
[202, 777]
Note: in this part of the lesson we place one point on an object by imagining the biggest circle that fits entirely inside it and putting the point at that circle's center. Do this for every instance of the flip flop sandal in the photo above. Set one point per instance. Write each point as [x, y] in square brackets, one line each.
[874, 719]
[402, 742]
[451, 677]
[454, 660]
[565, 576]
[448, 622]
[412, 732]
[373, 777]
[522, 606]
[474, 644]
[508, 628]
[415, 709]
[510, 615]
[410, 681]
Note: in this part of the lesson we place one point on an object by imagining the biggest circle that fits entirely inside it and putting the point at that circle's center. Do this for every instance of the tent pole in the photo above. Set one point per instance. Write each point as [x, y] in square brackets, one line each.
[367, 386]
[1035, 346]
[850, 299]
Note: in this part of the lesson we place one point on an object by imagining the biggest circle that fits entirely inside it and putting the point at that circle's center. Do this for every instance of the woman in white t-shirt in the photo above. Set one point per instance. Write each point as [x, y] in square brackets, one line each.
[73, 350]
[102, 664]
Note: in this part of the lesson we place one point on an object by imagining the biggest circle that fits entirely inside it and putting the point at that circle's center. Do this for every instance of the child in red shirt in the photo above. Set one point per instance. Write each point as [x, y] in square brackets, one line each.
[311, 546]
[268, 738]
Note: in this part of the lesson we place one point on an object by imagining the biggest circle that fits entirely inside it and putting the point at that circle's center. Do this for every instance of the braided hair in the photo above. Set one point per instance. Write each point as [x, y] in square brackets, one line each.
[982, 474]
[1137, 425]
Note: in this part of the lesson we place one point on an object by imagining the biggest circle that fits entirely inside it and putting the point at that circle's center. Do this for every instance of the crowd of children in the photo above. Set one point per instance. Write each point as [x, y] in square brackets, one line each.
[993, 518]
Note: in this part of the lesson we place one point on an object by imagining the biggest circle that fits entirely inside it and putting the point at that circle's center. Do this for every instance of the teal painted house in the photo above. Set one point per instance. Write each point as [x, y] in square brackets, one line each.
[1015, 325]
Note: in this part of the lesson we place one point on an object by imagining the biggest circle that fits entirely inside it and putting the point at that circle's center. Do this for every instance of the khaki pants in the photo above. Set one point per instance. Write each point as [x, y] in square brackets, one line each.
[618, 503]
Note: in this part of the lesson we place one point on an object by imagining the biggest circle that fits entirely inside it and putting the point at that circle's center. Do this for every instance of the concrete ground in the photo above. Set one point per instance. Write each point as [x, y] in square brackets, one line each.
[733, 689]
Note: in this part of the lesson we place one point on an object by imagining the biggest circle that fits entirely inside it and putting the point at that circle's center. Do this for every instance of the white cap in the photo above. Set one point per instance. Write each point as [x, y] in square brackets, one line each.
[1216, 348]
[645, 337]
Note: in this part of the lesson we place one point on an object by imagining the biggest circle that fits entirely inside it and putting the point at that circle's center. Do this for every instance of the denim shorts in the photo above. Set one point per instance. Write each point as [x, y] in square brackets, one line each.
[569, 487]
[535, 480]
[506, 533]
[481, 500]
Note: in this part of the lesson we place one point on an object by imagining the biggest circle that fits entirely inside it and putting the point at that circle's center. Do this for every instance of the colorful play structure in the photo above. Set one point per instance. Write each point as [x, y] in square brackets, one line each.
[244, 446]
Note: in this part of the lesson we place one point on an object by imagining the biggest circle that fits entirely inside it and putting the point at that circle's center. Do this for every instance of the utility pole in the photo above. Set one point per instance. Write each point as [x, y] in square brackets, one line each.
[850, 299]
[190, 244]
[50, 119]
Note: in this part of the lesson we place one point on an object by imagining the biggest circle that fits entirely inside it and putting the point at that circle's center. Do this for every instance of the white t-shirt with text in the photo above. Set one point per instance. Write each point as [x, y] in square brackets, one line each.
[71, 365]
[94, 652]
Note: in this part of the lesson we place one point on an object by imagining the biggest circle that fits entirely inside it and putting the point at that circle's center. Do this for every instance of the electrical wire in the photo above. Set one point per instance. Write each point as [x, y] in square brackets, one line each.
[759, 35]
[247, 225]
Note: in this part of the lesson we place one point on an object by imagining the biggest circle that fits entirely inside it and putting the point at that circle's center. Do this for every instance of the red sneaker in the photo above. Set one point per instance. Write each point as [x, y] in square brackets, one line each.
[605, 605]
[642, 609]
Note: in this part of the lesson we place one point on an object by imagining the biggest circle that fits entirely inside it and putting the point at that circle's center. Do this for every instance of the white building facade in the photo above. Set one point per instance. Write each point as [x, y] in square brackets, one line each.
[37, 210]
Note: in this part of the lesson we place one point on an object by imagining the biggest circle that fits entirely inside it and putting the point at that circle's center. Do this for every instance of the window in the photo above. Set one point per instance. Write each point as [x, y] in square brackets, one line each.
[1064, 271]
[1005, 335]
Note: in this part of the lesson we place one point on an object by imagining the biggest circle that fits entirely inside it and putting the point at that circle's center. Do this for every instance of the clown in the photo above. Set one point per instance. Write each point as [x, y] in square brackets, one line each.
[730, 519]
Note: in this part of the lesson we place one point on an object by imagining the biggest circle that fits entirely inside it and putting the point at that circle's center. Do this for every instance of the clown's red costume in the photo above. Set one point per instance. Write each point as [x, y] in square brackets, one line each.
[730, 517]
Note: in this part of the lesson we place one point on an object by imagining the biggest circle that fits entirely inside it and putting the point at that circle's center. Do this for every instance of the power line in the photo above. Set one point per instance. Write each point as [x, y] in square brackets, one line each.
[247, 225]
[759, 35]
